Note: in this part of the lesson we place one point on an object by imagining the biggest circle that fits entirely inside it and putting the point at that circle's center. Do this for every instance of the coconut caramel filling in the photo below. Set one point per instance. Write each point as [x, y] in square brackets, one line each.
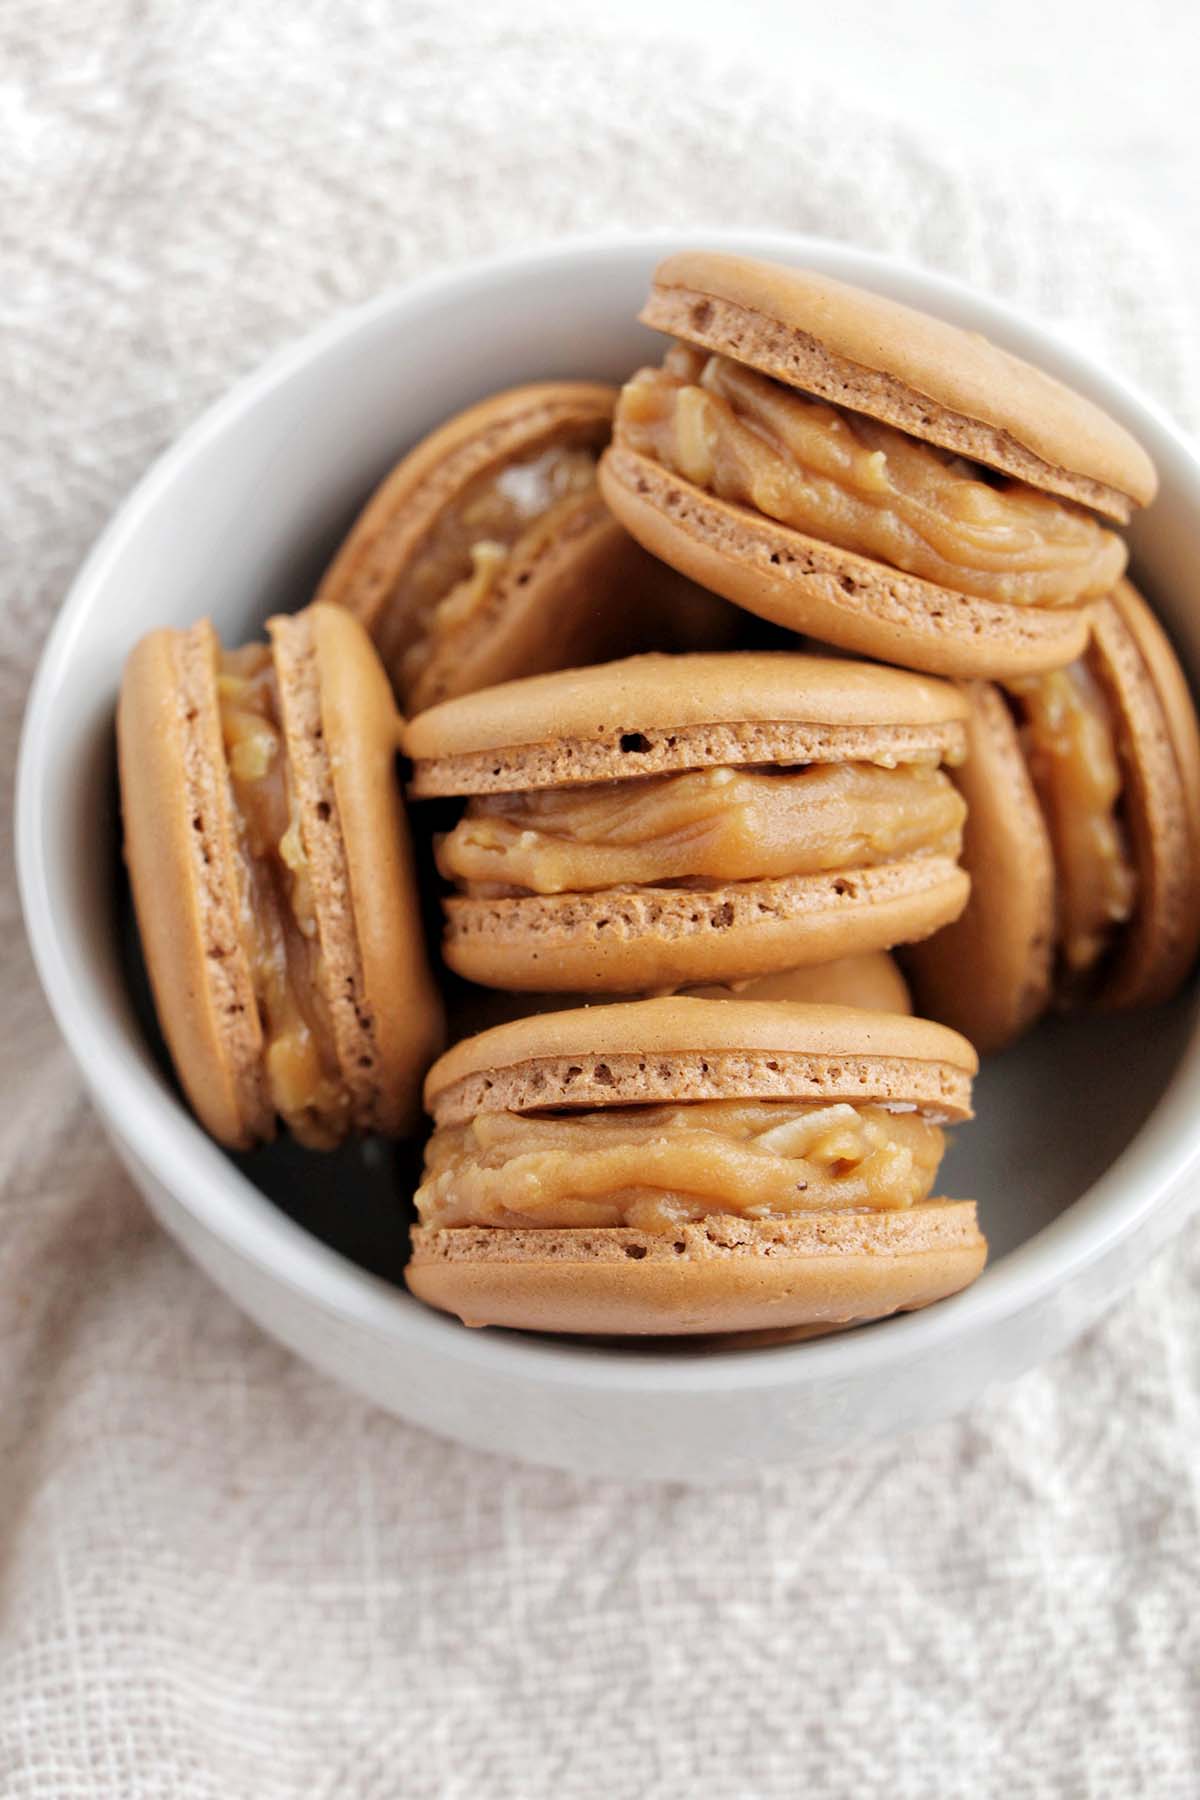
[443, 592]
[707, 826]
[849, 480]
[278, 921]
[1070, 746]
[655, 1167]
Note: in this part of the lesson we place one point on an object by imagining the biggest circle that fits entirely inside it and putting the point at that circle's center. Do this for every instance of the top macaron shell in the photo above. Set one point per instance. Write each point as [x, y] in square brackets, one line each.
[931, 379]
[647, 1050]
[606, 719]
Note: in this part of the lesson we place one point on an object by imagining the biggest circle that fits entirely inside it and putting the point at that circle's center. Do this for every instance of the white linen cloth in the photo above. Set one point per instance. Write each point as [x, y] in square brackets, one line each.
[219, 1575]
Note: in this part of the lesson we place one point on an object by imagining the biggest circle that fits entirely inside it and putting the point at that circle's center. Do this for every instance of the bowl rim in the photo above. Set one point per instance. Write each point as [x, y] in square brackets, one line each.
[1162, 1156]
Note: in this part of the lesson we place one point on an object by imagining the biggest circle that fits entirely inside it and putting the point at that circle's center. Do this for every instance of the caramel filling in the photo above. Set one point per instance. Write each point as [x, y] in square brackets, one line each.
[850, 481]
[278, 919]
[706, 826]
[443, 593]
[1070, 747]
[655, 1167]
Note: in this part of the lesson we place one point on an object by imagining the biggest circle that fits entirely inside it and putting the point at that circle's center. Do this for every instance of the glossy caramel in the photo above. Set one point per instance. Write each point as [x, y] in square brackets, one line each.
[711, 825]
[655, 1167]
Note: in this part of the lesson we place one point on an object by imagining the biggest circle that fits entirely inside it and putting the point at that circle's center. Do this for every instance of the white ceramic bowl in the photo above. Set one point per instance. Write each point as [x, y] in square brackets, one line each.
[1084, 1155]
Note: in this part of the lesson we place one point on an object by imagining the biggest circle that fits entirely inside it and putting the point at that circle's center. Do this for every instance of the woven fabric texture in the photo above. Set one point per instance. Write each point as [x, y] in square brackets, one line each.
[219, 1575]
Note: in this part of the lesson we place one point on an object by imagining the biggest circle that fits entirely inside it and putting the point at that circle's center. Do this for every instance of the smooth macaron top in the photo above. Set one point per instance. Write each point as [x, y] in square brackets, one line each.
[613, 706]
[934, 380]
[685, 1048]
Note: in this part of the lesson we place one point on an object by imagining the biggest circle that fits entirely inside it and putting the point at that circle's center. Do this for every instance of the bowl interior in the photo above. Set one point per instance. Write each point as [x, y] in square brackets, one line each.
[239, 520]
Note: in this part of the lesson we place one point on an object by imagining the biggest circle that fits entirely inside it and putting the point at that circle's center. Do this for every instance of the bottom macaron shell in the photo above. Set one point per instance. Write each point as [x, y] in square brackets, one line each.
[721, 1274]
[628, 940]
[832, 594]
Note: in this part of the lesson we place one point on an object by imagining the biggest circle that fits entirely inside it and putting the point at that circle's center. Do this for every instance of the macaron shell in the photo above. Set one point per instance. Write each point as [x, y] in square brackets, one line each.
[398, 1012]
[871, 980]
[652, 714]
[990, 973]
[180, 850]
[831, 594]
[719, 1275]
[919, 373]
[646, 939]
[657, 692]
[682, 1048]
[1159, 744]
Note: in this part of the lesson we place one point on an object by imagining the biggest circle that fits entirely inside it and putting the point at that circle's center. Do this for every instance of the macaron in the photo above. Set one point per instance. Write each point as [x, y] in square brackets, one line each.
[488, 553]
[663, 821]
[273, 882]
[1082, 838]
[865, 473]
[687, 1166]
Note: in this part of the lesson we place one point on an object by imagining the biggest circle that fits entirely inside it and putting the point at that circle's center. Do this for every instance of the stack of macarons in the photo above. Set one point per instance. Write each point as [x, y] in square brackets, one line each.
[685, 1094]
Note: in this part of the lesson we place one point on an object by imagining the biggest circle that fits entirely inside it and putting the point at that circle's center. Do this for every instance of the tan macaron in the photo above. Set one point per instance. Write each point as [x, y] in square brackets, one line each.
[856, 470]
[693, 1166]
[672, 820]
[272, 879]
[488, 553]
[1082, 838]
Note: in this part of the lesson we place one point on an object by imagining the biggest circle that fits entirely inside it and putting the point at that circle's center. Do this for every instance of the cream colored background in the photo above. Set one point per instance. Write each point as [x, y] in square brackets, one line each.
[219, 1577]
